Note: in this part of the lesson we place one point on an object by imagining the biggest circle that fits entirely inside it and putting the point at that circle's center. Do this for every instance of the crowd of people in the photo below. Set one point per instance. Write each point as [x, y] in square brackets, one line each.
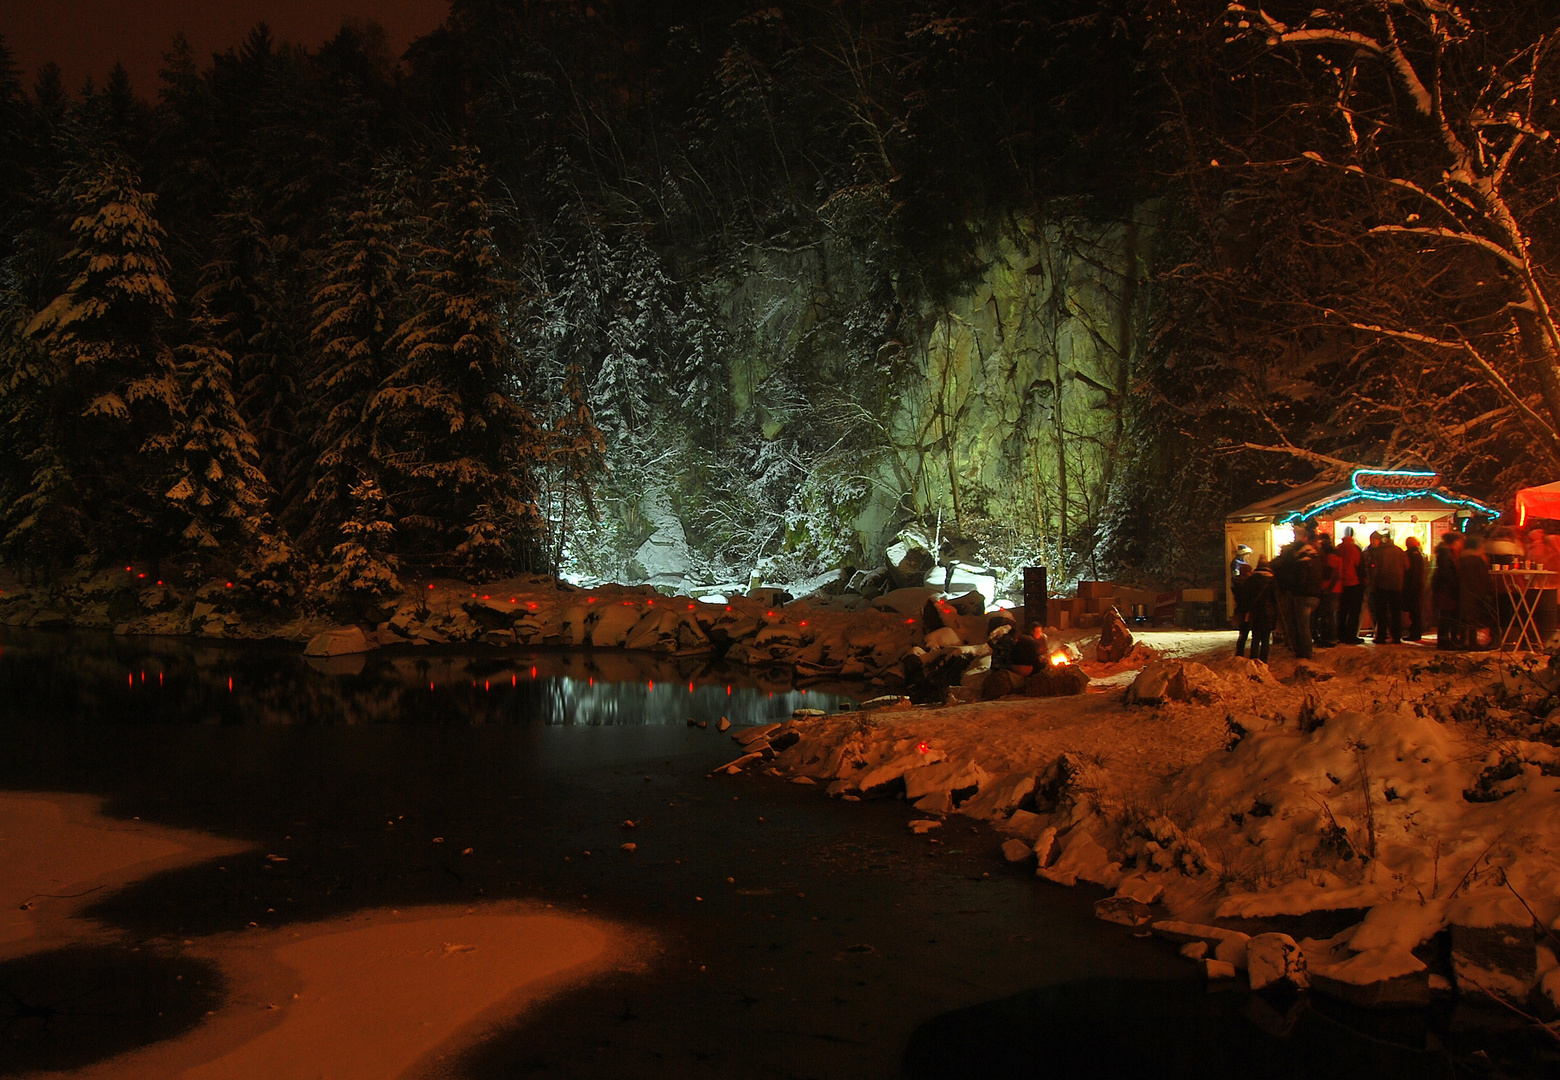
[1315, 592]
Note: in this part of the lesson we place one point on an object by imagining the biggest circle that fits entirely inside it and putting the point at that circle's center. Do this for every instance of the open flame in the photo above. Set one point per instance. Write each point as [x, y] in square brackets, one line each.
[1058, 658]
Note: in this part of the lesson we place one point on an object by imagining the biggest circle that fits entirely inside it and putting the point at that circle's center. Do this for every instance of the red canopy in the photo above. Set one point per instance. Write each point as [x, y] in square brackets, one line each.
[1538, 502]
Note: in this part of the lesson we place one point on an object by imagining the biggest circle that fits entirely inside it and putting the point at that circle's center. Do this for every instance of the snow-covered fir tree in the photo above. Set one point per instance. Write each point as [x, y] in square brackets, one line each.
[362, 565]
[44, 523]
[457, 440]
[217, 484]
[242, 287]
[107, 377]
[353, 321]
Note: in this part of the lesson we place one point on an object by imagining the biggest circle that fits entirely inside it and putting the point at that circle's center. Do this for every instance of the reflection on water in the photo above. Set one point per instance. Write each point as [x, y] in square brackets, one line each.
[98, 677]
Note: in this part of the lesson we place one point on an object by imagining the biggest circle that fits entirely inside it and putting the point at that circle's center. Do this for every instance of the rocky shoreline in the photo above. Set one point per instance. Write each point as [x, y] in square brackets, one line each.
[1384, 828]
[912, 638]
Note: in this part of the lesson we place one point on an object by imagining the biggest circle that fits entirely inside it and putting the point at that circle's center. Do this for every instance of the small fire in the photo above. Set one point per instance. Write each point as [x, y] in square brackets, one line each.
[1058, 659]
[923, 748]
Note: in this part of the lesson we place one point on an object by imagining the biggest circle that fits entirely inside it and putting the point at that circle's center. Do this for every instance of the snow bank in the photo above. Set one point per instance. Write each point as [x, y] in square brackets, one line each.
[1418, 793]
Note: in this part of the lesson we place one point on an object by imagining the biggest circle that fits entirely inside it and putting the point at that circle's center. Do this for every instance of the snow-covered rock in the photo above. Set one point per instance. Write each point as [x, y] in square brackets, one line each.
[338, 641]
[905, 601]
[1123, 910]
[1025, 825]
[1272, 958]
[612, 623]
[1173, 680]
[945, 776]
[664, 558]
[1016, 851]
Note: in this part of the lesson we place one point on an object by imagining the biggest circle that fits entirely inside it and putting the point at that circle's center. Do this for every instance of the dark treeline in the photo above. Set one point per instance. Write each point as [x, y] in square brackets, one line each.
[312, 316]
[316, 318]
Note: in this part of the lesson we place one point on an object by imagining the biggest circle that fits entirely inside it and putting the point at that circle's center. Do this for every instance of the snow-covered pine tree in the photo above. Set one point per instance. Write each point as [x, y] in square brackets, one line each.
[216, 484]
[362, 565]
[109, 375]
[242, 286]
[353, 321]
[457, 441]
[44, 526]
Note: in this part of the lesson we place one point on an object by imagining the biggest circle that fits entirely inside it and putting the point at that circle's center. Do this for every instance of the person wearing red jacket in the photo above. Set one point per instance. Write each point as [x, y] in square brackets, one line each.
[1351, 590]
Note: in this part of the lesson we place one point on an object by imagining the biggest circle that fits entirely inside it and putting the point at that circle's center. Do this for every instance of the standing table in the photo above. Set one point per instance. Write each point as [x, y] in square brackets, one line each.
[1524, 587]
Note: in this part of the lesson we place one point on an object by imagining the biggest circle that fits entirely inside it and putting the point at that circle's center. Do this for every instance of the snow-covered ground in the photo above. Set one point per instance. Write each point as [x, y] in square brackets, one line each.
[1413, 791]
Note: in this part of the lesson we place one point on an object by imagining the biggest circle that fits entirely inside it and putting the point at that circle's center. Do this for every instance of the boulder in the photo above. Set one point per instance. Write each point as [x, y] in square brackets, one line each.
[1115, 639]
[337, 641]
[664, 558]
[911, 570]
[613, 623]
[908, 601]
[1275, 958]
[1001, 796]
[1024, 824]
[1016, 851]
[1056, 680]
[1123, 910]
[971, 603]
[1139, 888]
[1507, 949]
[1173, 680]
[944, 776]
[1000, 684]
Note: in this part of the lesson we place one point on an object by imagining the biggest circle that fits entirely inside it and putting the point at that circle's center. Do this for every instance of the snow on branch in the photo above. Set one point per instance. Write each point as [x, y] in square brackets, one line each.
[1390, 53]
[1438, 232]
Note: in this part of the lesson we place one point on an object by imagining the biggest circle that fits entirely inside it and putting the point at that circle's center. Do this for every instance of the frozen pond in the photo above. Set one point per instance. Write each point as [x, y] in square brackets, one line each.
[797, 937]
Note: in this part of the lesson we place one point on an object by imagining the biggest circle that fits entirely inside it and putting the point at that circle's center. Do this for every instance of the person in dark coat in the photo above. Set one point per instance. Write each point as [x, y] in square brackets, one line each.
[1297, 573]
[1475, 593]
[1240, 589]
[1414, 588]
[1262, 608]
[1446, 594]
[1367, 573]
[1387, 582]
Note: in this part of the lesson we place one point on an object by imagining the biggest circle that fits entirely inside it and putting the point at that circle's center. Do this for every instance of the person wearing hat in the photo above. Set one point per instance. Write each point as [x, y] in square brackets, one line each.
[1241, 563]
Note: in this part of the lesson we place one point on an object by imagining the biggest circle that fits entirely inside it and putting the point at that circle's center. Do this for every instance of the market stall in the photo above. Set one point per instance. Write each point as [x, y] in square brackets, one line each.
[1402, 502]
[1538, 504]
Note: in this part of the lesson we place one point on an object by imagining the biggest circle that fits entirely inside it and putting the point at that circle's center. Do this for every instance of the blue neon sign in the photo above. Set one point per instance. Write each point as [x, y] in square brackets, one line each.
[1391, 485]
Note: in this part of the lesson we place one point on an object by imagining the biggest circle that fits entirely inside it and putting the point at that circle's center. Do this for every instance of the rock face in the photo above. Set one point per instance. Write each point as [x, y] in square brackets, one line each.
[339, 641]
[1115, 639]
[664, 558]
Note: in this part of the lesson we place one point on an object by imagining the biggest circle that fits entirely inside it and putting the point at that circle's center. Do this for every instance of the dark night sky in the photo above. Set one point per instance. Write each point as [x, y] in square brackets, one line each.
[85, 37]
